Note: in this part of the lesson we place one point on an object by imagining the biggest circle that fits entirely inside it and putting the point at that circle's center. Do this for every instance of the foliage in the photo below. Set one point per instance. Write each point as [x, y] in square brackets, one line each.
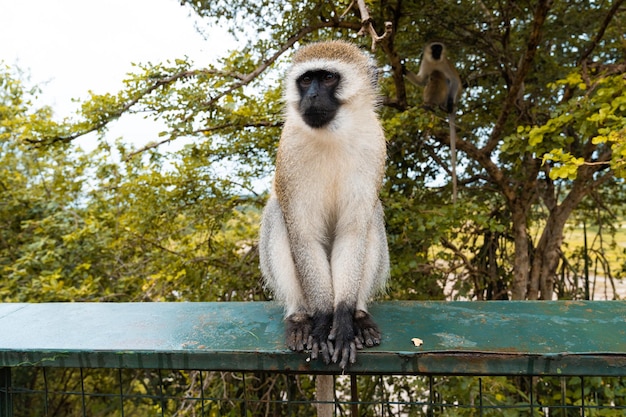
[80, 227]
[541, 127]
[599, 114]
[542, 147]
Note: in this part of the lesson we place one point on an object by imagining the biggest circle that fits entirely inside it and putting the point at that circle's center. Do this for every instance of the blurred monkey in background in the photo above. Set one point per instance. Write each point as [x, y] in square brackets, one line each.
[442, 89]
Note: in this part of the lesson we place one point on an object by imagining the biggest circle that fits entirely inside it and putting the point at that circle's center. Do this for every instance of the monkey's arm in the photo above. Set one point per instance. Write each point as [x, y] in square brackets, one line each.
[413, 78]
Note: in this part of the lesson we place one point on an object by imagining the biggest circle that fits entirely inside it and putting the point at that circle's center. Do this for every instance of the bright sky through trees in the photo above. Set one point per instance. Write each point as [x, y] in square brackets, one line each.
[69, 47]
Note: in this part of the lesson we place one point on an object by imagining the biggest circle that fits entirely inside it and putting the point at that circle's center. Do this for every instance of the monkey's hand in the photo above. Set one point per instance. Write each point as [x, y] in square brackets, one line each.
[342, 338]
[318, 340]
[352, 332]
[298, 330]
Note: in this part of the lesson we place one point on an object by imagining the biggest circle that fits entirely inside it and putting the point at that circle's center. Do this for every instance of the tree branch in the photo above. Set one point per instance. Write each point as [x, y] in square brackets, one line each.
[243, 81]
[466, 261]
[367, 25]
[154, 145]
[533, 42]
[605, 23]
[247, 79]
[120, 111]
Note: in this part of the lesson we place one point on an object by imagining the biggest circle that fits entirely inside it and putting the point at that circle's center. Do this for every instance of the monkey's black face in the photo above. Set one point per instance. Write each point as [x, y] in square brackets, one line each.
[435, 50]
[318, 103]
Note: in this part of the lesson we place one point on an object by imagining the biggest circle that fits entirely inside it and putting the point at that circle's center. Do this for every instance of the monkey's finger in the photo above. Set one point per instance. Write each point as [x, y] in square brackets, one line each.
[331, 348]
[291, 341]
[376, 336]
[341, 354]
[309, 343]
[353, 349]
[325, 352]
[372, 337]
[358, 341]
[333, 334]
[369, 341]
[348, 355]
[359, 338]
[337, 351]
[306, 335]
[315, 350]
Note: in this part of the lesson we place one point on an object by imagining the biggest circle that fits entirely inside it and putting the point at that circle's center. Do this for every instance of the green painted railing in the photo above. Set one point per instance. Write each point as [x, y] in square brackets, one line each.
[459, 338]
[531, 342]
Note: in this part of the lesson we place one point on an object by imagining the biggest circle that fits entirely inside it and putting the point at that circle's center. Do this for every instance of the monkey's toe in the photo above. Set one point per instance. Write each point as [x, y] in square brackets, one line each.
[297, 329]
[323, 349]
[366, 330]
[318, 339]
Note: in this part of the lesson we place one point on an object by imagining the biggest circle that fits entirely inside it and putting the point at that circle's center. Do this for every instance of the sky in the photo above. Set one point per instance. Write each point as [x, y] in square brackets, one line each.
[69, 47]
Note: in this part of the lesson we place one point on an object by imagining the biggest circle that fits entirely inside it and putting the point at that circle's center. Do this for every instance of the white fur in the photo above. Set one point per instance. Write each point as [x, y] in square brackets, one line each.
[333, 175]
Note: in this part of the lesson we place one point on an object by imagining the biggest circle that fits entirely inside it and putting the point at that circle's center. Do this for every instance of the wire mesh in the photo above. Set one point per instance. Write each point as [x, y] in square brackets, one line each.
[73, 392]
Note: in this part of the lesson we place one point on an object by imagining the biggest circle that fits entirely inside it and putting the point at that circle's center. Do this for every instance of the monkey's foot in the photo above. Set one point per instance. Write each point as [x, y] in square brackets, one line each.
[366, 330]
[297, 331]
[318, 339]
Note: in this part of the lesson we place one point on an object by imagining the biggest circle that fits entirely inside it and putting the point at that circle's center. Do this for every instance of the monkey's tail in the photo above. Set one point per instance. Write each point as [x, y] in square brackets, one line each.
[325, 395]
[452, 124]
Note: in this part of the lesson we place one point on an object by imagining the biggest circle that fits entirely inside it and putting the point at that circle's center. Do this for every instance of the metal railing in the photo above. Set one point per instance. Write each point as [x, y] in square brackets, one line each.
[212, 359]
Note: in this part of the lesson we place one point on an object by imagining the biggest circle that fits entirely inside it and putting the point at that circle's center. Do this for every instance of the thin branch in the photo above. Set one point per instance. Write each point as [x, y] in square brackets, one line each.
[533, 42]
[607, 20]
[151, 145]
[243, 80]
[266, 64]
[154, 145]
[119, 112]
[228, 125]
[345, 12]
[466, 261]
[367, 25]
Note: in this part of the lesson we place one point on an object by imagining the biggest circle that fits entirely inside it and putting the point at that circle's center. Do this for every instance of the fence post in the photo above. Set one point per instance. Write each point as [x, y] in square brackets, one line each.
[6, 404]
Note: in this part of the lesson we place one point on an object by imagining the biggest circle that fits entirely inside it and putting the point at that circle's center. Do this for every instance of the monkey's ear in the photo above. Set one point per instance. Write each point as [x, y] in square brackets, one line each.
[372, 74]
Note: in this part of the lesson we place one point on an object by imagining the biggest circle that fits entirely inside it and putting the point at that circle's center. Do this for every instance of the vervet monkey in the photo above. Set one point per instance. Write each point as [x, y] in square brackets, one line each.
[443, 89]
[323, 246]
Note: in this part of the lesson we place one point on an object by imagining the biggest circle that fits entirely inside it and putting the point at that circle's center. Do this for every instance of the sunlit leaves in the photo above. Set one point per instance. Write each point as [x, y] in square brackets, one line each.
[595, 115]
[568, 167]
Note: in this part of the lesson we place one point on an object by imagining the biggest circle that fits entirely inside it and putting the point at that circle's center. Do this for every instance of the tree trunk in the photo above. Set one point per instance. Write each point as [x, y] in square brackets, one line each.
[547, 255]
[521, 266]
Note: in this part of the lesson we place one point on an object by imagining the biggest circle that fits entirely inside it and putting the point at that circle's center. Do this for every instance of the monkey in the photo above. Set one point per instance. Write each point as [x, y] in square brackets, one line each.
[322, 243]
[443, 89]
[443, 84]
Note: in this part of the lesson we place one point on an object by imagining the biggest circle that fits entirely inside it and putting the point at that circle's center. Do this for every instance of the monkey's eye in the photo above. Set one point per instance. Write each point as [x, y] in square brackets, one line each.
[330, 78]
[306, 80]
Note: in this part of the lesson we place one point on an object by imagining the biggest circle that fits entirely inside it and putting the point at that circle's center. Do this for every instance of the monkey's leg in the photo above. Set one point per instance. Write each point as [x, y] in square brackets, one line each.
[375, 273]
[347, 261]
[279, 272]
[302, 274]
[311, 262]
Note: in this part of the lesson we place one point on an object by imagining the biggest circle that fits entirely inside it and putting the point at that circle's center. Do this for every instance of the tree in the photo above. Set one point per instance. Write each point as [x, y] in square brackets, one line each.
[541, 129]
[83, 227]
[526, 67]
